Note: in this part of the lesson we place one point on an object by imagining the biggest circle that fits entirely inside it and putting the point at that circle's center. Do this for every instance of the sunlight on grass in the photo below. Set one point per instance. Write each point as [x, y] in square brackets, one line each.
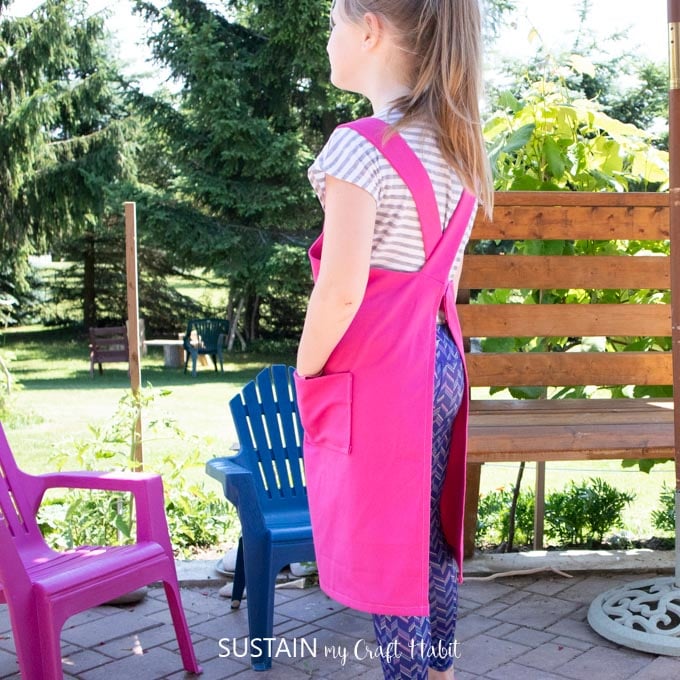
[58, 400]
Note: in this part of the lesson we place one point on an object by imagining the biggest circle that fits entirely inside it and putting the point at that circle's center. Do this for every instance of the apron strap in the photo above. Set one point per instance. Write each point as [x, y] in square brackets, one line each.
[450, 240]
[409, 167]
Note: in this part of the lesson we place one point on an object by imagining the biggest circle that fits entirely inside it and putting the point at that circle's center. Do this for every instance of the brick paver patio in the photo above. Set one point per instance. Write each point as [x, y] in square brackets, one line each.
[524, 627]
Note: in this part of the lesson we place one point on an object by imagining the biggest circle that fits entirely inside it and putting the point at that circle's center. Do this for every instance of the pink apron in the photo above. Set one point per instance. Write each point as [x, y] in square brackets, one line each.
[368, 420]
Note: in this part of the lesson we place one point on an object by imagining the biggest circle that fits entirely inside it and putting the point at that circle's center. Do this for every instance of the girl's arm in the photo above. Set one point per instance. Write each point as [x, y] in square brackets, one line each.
[345, 262]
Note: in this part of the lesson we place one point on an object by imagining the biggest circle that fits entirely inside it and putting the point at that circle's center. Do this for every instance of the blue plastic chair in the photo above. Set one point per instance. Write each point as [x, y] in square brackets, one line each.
[266, 483]
[205, 336]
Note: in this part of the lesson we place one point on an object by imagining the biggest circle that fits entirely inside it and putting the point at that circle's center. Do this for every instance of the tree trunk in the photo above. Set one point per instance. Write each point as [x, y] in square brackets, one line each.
[513, 508]
[329, 122]
[234, 317]
[89, 293]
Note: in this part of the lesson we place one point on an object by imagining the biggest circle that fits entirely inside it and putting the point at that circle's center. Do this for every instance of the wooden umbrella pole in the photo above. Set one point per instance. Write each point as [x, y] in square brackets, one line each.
[643, 614]
[674, 190]
[133, 321]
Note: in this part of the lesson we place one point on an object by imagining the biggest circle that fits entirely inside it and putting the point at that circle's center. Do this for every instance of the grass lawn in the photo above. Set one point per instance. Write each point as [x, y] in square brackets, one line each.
[646, 487]
[59, 401]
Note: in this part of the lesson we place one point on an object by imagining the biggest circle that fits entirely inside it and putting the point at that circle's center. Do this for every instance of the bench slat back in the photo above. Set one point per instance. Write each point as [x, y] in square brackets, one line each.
[109, 344]
[601, 271]
[576, 215]
[504, 321]
[569, 368]
[570, 216]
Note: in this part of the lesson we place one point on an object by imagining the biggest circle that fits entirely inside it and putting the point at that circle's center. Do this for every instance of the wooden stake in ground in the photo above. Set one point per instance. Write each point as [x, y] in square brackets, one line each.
[133, 321]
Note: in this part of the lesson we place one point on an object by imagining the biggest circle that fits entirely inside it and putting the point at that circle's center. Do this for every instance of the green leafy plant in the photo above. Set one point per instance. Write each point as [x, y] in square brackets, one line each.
[604, 505]
[196, 518]
[6, 388]
[87, 518]
[564, 516]
[10, 414]
[663, 519]
[488, 512]
[493, 517]
[582, 513]
[551, 138]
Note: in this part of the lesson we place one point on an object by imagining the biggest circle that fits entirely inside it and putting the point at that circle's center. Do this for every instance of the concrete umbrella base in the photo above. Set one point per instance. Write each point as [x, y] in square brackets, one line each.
[643, 615]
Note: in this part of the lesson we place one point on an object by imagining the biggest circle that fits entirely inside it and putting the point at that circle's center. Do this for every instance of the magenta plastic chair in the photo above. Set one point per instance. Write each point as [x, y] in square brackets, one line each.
[43, 588]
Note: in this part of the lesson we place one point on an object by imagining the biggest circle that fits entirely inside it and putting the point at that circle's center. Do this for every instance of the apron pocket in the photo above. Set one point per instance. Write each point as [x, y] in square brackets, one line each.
[325, 407]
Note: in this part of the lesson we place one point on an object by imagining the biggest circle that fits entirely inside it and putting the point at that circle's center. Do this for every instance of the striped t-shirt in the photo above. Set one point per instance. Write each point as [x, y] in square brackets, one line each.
[397, 239]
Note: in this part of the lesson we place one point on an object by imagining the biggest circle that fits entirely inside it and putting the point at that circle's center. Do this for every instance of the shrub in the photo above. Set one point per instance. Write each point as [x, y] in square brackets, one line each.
[582, 513]
[196, 518]
[664, 518]
[493, 517]
[488, 513]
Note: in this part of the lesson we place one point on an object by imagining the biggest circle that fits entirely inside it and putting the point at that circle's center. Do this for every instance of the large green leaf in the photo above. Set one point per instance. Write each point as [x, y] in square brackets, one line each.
[525, 182]
[607, 155]
[554, 158]
[496, 125]
[519, 138]
[621, 132]
[643, 464]
[502, 345]
[550, 247]
[527, 392]
[651, 164]
[507, 100]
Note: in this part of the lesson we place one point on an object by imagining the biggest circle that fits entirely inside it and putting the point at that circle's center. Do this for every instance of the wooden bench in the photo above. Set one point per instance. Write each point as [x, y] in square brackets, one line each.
[574, 428]
[108, 345]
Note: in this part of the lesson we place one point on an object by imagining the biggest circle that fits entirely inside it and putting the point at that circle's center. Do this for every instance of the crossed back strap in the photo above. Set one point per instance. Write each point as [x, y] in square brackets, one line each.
[412, 171]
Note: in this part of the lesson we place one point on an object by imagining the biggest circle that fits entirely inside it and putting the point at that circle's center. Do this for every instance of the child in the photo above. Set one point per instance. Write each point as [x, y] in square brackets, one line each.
[380, 376]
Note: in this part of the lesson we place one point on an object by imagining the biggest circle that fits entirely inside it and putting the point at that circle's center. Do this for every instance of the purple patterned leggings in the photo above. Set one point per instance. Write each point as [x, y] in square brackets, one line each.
[411, 644]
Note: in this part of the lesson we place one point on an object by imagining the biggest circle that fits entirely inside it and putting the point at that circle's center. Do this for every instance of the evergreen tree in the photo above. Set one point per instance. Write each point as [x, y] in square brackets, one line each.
[237, 141]
[64, 134]
[255, 106]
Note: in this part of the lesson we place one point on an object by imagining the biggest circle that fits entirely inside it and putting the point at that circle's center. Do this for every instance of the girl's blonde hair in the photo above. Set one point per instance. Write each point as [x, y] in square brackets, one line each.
[443, 40]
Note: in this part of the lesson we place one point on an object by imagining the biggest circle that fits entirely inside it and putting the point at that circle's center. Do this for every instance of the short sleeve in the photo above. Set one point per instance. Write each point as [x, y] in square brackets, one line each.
[348, 156]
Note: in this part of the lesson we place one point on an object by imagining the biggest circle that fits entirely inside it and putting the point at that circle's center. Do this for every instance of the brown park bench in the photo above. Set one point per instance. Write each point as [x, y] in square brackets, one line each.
[546, 429]
[108, 345]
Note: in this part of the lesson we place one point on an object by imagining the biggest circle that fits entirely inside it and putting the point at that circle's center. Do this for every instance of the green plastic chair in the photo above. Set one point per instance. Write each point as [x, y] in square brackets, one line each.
[205, 336]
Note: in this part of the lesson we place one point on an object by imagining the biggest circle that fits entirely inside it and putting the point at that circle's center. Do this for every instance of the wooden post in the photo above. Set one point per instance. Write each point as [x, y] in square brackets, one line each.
[133, 321]
[474, 473]
[674, 186]
[539, 505]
